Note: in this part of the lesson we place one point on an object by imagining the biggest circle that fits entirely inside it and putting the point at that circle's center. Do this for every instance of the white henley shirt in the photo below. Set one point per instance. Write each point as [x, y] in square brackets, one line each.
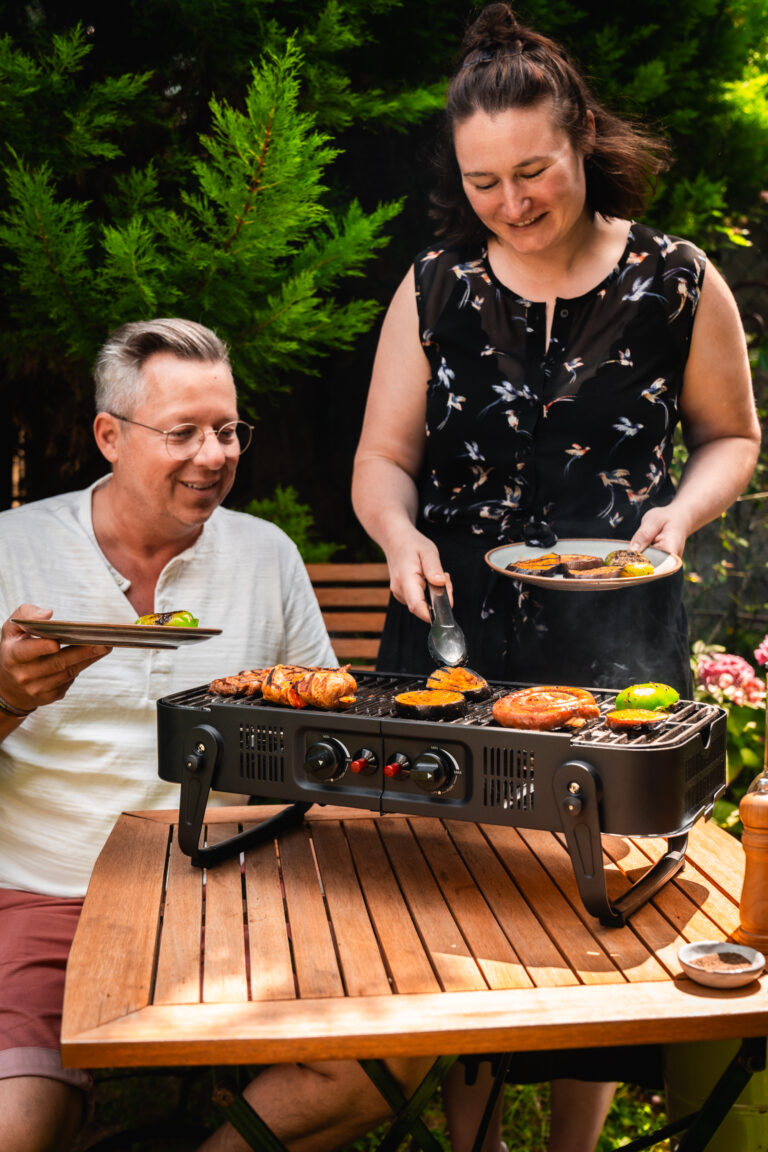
[72, 767]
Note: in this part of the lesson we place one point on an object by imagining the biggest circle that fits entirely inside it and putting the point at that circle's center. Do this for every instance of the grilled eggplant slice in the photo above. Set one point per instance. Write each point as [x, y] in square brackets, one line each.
[430, 704]
[548, 565]
[463, 680]
[634, 719]
[604, 572]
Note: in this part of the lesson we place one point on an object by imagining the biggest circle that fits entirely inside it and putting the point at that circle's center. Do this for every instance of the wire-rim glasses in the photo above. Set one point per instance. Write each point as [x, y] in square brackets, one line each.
[184, 441]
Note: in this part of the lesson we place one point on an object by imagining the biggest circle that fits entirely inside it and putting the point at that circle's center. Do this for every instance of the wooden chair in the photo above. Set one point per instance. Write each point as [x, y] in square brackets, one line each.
[353, 599]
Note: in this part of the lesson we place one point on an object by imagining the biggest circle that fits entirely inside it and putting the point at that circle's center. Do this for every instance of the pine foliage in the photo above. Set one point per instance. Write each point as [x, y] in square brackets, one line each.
[248, 244]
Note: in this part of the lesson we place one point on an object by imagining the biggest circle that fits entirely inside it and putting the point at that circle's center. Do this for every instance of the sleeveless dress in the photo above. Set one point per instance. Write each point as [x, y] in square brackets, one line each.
[575, 438]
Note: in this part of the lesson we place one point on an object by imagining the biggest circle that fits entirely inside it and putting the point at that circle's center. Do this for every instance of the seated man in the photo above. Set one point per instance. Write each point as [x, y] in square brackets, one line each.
[78, 736]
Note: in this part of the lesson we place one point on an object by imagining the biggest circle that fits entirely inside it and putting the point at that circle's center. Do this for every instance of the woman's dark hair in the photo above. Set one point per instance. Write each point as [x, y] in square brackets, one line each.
[506, 65]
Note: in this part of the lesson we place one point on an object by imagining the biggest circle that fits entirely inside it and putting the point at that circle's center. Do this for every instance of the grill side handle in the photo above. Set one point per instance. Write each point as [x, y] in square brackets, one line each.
[202, 750]
[577, 794]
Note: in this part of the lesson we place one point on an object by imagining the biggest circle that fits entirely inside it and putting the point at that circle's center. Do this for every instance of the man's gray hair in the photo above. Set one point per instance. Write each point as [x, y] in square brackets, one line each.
[120, 386]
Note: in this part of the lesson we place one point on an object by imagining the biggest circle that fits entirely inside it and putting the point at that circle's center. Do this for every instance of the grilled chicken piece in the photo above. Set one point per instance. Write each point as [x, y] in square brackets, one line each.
[279, 685]
[246, 683]
[327, 688]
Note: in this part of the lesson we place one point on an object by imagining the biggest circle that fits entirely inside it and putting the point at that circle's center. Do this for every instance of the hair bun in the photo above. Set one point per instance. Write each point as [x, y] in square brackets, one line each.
[495, 29]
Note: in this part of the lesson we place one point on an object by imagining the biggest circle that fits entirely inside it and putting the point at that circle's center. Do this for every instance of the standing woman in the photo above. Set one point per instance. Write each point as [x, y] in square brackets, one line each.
[531, 370]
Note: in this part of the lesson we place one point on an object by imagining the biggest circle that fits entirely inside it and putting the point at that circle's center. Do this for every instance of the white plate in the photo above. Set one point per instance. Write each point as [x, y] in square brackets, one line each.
[116, 635]
[664, 564]
[754, 963]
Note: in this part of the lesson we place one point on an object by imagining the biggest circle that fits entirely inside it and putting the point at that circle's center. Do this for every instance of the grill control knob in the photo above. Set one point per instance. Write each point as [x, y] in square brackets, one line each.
[433, 770]
[399, 765]
[363, 762]
[326, 759]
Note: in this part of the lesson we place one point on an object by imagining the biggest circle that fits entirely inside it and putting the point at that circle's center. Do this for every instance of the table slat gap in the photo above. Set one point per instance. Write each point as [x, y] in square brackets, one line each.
[588, 961]
[178, 976]
[317, 969]
[446, 947]
[405, 957]
[359, 957]
[624, 948]
[544, 962]
[493, 952]
[224, 967]
[272, 975]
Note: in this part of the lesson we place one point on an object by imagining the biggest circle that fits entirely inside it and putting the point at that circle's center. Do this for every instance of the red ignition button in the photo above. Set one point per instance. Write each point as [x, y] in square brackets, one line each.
[358, 765]
[398, 766]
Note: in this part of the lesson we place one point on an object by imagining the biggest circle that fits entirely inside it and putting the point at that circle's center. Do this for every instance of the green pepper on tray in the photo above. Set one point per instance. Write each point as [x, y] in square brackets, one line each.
[175, 619]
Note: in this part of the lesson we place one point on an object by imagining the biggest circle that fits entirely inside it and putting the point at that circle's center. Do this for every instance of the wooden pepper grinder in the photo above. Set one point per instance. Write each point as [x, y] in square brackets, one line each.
[753, 907]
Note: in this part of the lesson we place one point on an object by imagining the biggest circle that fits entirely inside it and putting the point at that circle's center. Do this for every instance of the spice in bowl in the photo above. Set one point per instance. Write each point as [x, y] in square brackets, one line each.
[721, 963]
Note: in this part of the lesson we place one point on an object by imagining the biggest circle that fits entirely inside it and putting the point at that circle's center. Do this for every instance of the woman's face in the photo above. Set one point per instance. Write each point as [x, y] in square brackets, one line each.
[522, 176]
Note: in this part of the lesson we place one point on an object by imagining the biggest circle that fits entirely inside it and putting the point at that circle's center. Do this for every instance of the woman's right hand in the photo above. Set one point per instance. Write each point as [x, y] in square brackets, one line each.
[414, 563]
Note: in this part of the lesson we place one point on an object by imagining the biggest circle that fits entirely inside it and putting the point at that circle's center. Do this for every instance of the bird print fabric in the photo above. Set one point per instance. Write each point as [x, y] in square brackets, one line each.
[576, 434]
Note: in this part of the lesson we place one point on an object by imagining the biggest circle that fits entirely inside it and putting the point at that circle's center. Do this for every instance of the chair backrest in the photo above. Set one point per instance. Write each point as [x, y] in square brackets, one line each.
[353, 599]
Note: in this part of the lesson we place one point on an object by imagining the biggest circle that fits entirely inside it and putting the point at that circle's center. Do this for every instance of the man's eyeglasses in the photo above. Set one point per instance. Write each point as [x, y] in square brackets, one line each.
[185, 440]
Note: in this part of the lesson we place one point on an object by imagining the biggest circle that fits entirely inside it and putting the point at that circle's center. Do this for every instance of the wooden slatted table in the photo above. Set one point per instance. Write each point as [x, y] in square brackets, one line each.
[355, 936]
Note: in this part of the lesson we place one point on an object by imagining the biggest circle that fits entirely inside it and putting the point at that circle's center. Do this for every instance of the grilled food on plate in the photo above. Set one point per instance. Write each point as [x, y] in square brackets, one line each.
[578, 566]
[175, 619]
[545, 708]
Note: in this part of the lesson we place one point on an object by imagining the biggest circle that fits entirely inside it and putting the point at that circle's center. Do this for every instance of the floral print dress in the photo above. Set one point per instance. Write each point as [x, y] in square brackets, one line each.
[574, 436]
[577, 434]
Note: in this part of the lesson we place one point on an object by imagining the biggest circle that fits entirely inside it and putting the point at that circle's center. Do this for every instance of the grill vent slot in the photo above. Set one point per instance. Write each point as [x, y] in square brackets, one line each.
[262, 753]
[508, 778]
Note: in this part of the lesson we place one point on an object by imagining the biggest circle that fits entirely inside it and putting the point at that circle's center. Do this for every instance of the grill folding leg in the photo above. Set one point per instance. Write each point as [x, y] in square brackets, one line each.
[203, 750]
[576, 792]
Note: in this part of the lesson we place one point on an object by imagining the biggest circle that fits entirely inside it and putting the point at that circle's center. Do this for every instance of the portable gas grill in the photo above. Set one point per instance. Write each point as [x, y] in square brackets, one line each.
[583, 783]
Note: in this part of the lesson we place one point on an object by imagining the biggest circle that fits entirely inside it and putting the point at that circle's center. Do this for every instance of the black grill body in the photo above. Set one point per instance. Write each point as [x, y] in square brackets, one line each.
[582, 783]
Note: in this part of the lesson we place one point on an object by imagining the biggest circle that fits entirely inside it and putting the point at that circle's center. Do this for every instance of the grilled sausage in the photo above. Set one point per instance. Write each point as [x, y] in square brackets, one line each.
[544, 708]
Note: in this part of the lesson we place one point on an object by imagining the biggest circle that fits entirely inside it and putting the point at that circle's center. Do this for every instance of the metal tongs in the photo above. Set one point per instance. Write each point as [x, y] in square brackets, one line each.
[446, 641]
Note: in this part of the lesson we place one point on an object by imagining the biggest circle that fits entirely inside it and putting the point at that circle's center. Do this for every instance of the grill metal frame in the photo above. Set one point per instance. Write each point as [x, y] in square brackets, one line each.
[583, 784]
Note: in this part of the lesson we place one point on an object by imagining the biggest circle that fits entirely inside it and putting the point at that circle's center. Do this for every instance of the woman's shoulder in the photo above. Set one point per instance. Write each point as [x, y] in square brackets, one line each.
[448, 257]
[667, 248]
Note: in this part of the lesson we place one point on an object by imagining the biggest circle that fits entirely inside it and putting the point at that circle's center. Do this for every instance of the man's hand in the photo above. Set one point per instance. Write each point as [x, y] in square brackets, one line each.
[35, 671]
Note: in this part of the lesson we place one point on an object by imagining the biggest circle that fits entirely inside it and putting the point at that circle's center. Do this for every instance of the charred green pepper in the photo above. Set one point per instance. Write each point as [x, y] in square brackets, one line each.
[652, 697]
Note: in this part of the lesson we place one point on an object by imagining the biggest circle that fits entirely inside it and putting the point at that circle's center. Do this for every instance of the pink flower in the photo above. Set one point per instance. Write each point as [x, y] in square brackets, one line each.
[761, 652]
[724, 670]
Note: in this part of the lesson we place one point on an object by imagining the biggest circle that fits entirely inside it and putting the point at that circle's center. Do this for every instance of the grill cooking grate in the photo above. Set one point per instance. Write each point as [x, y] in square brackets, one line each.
[375, 694]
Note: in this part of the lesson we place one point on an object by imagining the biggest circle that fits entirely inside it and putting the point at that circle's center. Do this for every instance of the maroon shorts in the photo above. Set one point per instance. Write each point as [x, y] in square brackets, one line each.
[35, 938]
